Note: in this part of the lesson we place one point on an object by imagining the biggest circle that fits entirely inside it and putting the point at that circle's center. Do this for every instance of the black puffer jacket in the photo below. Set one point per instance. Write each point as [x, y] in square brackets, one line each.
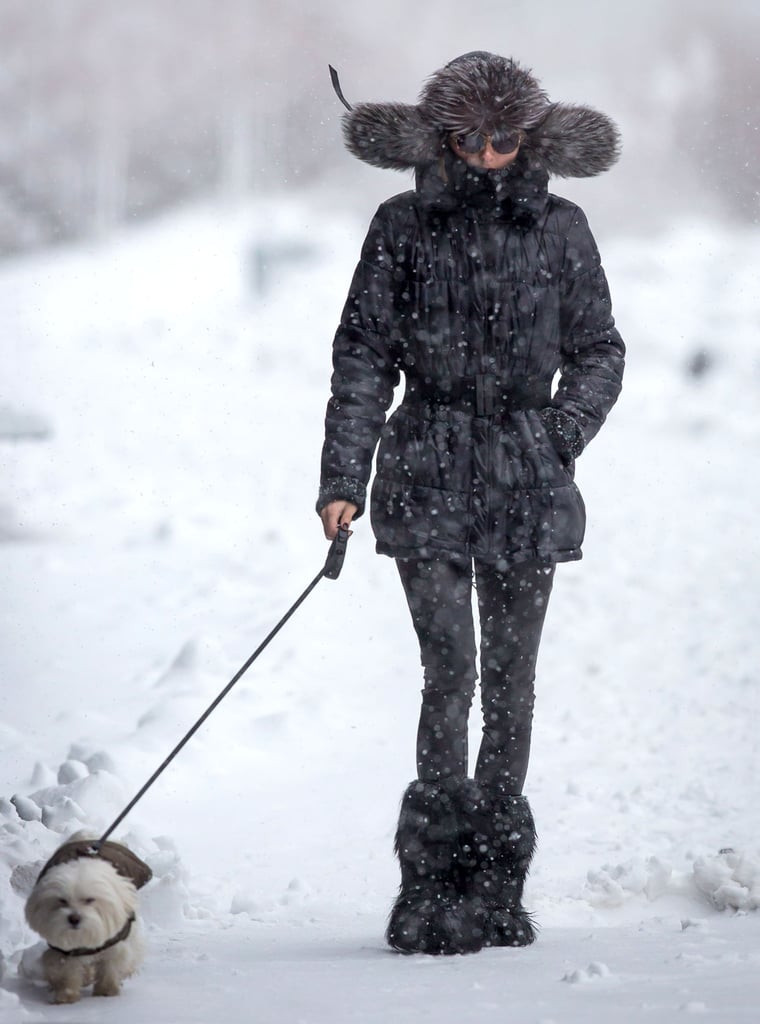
[478, 287]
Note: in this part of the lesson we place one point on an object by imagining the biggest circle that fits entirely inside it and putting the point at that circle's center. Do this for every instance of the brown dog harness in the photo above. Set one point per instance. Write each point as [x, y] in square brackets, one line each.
[126, 863]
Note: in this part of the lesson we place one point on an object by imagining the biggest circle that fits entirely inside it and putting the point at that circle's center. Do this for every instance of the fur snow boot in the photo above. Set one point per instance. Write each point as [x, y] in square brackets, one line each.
[503, 846]
[433, 912]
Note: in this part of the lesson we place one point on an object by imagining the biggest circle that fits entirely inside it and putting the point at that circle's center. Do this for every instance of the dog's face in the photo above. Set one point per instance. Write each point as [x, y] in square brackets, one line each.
[82, 903]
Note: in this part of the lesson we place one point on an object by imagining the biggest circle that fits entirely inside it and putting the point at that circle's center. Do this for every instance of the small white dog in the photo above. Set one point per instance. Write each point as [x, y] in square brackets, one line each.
[84, 905]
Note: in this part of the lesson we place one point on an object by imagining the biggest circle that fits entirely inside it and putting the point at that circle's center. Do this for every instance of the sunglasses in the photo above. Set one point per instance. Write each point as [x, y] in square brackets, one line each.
[503, 142]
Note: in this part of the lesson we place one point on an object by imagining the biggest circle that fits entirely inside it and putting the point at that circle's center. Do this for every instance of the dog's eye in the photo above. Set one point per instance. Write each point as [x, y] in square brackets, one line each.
[62, 902]
[90, 899]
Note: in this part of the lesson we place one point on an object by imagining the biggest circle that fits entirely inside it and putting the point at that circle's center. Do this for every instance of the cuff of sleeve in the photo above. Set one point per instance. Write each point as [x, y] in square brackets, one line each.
[342, 488]
[564, 433]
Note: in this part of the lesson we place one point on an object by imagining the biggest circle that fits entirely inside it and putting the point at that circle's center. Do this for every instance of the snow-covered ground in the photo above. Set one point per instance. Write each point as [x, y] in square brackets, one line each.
[150, 542]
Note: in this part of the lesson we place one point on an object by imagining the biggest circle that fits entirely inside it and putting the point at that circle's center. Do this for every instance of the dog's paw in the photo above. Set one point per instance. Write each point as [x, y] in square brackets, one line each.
[106, 987]
[65, 995]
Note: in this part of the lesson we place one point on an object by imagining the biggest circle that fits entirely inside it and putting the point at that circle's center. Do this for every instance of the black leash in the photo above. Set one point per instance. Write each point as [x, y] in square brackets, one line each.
[331, 571]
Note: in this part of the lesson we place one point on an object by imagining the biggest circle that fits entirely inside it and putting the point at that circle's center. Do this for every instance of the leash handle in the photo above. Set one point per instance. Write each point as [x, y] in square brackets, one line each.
[337, 553]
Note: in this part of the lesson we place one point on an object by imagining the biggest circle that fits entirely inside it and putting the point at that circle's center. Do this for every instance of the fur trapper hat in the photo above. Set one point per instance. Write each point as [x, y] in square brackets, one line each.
[482, 92]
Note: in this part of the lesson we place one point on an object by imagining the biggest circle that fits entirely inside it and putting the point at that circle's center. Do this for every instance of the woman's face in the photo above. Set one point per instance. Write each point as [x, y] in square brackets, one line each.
[485, 158]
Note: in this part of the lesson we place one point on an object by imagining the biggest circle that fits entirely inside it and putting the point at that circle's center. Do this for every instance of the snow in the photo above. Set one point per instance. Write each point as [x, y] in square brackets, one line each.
[163, 524]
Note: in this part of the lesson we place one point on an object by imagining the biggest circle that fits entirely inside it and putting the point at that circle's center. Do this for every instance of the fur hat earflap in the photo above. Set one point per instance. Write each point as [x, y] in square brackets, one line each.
[482, 92]
[390, 135]
[575, 141]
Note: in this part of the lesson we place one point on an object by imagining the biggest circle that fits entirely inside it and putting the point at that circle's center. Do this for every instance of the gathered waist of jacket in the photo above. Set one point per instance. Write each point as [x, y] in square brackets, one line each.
[484, 394]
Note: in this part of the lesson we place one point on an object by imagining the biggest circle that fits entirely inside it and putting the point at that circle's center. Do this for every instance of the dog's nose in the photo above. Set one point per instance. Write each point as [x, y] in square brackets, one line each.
[74, 920]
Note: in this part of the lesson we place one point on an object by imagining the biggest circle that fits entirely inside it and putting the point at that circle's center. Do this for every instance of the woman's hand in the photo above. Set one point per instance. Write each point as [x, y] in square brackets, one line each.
[337, 513]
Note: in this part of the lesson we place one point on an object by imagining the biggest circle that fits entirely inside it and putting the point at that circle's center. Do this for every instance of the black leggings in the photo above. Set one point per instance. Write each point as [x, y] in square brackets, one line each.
[512, 606]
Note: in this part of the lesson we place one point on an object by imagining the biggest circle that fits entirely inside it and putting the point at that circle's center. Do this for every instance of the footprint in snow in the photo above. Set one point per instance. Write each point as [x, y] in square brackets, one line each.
[595, 971]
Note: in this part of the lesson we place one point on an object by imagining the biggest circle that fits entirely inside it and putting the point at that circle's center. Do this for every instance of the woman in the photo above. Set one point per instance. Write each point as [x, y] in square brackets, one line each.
[479, 287]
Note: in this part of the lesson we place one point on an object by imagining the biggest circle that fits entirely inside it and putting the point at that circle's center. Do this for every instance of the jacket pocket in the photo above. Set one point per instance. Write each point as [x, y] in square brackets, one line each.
[543, 465]
[426, 452]
[411, 515]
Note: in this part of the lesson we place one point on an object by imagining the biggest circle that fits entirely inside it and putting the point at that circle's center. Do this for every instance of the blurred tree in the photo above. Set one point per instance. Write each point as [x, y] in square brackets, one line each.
[112, 111]
[718, 124]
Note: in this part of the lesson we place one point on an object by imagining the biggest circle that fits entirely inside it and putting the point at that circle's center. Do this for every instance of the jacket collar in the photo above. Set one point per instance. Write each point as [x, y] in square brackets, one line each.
[517, 193]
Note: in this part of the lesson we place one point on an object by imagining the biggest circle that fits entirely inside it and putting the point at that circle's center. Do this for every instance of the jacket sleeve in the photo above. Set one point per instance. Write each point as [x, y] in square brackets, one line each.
[364, 373]
[592, 351]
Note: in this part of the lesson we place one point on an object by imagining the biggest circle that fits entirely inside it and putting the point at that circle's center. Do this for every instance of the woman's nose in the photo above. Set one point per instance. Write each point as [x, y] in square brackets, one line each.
[488, 153]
